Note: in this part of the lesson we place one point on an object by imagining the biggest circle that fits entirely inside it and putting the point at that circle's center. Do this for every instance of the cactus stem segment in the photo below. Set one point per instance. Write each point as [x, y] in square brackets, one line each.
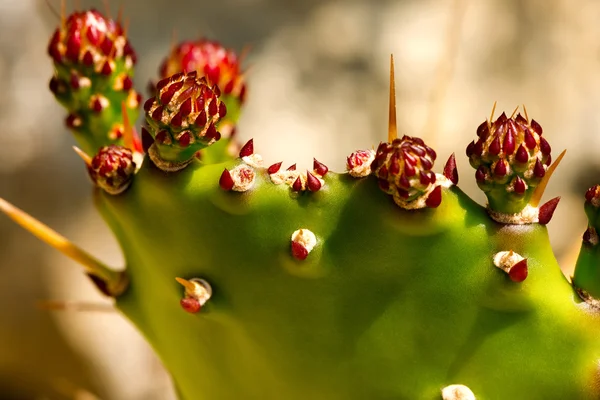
[303, 242]
[450, 170]
[197, 293]
[539, 190]
[392, 126]
[513, 264]
[114, 282]
[457, 392]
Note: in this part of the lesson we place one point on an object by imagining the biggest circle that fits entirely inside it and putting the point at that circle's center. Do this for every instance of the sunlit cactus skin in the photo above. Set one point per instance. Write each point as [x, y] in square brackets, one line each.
[256, 281]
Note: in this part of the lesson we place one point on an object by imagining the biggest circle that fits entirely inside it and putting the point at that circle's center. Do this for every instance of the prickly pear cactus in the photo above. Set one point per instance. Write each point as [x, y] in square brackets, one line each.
[256, 281]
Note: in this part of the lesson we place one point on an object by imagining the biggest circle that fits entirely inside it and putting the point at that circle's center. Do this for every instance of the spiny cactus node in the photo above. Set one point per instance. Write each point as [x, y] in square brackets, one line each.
[239, 179]
[513, 264]
[511, 159]
[457, 392]
[112, 169]
[359, 163]
[298, 181]
[404, 169]
[302, 243]
[182, 118]
[197, 292]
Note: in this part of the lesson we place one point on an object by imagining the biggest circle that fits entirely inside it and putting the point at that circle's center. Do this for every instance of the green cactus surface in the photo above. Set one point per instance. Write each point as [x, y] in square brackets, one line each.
[385, 282]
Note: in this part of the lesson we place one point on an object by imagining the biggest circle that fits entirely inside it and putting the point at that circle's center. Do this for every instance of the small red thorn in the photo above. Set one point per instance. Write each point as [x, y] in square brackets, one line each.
[500, 169]
[435, 197]
[545, 146]
[483, 130]
[106, 69]
[212, 107]
[97, 105]
[319, 167]
[226, 181]
[536, 127]
[292, 167]
[191, 305]
[273, 169]
[148, 104]
[547, 211]
[201, 119]
[591, 192]
[157, 113]
[177, 120]
[162, 83]
[518, 272]
[529, 140]
[127, 83]
[509, 140]
[495, 147]
[538, 169]
[522, 155]
[587, 235]
[470, 149]
[147, 139]
[450, 170]
[88, 59]
[519, 185]
[313, 183]
[480, 174]
[186, 107]
[161, 137]
[222, 110]
[247, 149]
[185, 139]
[298, 251]
[297, 185]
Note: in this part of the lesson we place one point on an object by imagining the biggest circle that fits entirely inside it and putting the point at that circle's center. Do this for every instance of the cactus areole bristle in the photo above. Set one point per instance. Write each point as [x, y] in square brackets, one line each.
[182, 118]
[510, 157]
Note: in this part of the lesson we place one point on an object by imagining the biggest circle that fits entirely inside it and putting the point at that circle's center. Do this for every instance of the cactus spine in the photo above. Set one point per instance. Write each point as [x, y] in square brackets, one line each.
[387, 281]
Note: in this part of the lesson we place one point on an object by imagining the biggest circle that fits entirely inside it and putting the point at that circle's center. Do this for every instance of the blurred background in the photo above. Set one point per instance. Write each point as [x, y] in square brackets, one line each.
[318, 76]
